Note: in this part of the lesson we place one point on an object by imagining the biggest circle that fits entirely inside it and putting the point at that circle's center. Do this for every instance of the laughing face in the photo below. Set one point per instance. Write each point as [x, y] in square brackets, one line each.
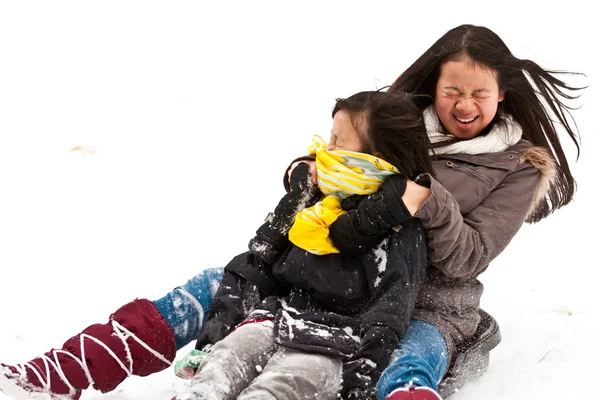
[466, 97]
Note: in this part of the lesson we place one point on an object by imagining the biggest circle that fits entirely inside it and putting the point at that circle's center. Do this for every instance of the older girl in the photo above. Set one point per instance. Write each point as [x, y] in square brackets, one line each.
[498, 162]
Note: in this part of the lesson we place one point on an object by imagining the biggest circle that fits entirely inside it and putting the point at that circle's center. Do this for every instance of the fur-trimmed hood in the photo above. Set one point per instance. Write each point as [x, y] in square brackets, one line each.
[541, 159]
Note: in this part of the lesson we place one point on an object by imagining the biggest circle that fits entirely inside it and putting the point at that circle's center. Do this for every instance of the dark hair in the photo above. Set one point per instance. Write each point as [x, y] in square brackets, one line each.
[532, 95]
[391, 127]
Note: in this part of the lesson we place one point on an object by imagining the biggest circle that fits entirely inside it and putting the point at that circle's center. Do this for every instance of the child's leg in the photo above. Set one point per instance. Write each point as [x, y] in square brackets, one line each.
[420, 360]
[136, 340]
[293, 375]
[233, 363]
[184, 307]
[140, 338]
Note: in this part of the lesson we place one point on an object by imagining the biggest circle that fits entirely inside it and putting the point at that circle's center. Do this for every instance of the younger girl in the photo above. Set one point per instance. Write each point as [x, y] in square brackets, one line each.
[334, 307]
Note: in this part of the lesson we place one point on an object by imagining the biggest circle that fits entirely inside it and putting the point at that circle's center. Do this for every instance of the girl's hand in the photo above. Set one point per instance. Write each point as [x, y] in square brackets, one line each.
[313, 170]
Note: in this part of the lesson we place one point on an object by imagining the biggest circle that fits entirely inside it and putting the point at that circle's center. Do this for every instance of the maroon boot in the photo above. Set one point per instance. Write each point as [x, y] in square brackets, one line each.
[137, 340]
[414, 393]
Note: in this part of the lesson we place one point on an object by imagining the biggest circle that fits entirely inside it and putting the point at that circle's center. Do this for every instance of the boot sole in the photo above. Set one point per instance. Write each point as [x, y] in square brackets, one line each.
[473, 356]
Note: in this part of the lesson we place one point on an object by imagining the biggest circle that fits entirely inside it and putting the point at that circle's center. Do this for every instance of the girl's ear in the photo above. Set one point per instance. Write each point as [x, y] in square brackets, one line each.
[501, 96]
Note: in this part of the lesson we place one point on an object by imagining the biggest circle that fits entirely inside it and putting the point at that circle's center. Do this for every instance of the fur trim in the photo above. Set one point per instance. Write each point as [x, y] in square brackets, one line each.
[540, 158]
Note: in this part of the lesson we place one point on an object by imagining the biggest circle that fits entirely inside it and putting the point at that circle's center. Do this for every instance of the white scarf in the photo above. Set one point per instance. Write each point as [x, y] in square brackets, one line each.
[504, 134]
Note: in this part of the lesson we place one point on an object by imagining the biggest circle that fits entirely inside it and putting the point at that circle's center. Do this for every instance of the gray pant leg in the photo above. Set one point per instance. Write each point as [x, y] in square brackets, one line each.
[296, 375]
[233, 363]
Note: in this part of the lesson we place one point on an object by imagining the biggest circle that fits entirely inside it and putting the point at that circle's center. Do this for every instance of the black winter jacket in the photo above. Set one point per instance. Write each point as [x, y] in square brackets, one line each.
[357, 308]
[355, 305]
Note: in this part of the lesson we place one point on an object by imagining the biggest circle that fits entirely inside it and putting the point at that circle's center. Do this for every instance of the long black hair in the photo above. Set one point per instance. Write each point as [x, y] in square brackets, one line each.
[390, 126]
[533, 96]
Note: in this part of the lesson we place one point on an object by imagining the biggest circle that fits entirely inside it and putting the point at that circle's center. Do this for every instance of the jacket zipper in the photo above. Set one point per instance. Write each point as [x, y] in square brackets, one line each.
[468, 171]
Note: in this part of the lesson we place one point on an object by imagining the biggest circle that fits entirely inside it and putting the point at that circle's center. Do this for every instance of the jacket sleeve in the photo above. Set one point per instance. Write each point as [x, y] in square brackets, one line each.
[349, 236]
[463, 246]
[363, 369]
[375, 216]
[271, 238]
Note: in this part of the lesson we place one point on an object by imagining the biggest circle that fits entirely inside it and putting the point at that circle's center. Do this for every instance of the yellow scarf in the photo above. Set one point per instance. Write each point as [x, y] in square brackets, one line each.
[340, 174]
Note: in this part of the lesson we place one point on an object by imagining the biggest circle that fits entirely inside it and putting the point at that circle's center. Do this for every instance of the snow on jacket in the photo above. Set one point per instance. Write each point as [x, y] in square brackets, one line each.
[339, 305]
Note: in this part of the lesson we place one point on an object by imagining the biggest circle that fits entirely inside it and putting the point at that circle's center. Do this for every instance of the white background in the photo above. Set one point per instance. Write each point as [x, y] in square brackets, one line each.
[186, 114]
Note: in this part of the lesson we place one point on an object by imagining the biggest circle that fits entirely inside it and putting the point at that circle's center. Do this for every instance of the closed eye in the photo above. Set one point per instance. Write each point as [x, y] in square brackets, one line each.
[452, 92]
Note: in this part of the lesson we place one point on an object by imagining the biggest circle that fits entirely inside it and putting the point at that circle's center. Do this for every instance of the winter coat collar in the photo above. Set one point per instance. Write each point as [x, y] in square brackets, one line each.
[505, 134]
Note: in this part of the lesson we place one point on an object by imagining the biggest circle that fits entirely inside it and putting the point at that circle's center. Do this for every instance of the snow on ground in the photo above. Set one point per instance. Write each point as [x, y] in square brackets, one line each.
[141, 142]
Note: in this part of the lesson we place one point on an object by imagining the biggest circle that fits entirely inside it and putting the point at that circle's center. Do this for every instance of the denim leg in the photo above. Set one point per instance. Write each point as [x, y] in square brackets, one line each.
[420, 360]
[185, 306]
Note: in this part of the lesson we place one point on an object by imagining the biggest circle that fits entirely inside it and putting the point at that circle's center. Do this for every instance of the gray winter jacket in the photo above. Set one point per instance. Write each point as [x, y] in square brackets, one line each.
[477, 205]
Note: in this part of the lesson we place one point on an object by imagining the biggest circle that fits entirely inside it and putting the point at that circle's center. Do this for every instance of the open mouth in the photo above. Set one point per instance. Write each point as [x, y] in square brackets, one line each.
[465, 120]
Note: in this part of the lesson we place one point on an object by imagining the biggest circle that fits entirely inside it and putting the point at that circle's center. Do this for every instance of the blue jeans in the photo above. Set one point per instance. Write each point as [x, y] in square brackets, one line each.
[185, 307]
[421, 358]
